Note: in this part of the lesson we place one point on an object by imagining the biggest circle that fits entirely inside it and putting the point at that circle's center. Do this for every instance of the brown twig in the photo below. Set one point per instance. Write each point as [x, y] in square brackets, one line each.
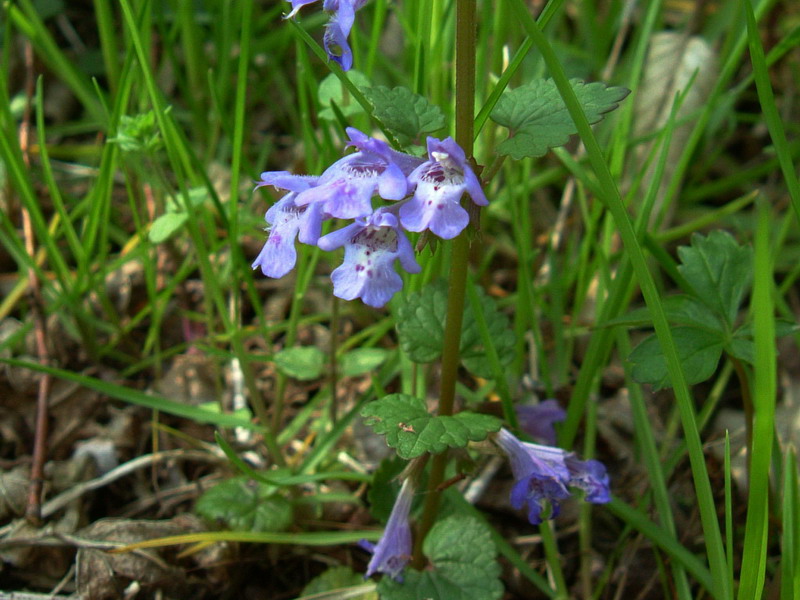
[33, 509]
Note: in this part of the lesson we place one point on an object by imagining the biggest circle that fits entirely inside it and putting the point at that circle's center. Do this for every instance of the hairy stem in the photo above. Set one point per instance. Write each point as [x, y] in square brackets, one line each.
[465, 99]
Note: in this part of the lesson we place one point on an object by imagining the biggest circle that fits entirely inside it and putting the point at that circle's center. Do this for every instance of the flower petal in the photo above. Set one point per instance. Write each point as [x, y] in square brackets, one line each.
[436, 208]
[449, 147]
[311, 224]
[297, 5]
[405, 252]
[340, 237]
[286, 181]
[278, 256]
[374, 282]
[341, 198]
[392, 183]
[474, 189]
[371, 248]
[345, 13]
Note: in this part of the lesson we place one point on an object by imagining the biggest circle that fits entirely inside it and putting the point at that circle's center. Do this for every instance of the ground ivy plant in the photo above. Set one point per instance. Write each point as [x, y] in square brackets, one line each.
[417, 182]
[715, 275]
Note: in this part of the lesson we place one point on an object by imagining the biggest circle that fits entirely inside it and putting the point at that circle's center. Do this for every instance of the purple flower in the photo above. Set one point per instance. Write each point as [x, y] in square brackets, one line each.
[336, 46]
[371, 246]
[540, 473]
[287, 221]
[441, 181]
[537, 419]
[346, 188]
[393, 551]
[543, 474]
[337, 29]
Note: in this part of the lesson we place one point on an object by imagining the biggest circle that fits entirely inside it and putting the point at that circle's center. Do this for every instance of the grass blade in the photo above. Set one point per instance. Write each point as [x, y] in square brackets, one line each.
[754, 553]
[137, 397]
[790, 568]
[770, 109]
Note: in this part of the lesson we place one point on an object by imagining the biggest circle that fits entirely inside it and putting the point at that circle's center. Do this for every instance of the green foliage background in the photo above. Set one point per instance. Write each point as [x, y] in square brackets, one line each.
[146, 128]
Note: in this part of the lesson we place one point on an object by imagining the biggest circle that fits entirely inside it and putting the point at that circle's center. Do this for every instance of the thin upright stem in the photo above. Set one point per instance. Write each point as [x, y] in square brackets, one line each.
[465, 106]
[33, 511]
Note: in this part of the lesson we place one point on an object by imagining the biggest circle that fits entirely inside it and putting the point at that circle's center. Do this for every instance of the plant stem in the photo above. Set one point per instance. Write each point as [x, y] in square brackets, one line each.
[553, 559]
[465, 106]
[33, 510]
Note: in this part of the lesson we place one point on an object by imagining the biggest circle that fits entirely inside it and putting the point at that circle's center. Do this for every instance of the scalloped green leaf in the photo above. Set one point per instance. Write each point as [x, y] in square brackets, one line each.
[699, 351]
[412, 431]
[539, 120]
[406, 114]
[463, 561]
[718, 270]
[244, 504]
[303, 363]
[421, 321]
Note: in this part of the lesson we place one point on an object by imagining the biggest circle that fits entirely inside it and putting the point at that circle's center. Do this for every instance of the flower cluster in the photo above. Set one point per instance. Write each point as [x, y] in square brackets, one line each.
[424, 195]
[545, 474]
[343, 13]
